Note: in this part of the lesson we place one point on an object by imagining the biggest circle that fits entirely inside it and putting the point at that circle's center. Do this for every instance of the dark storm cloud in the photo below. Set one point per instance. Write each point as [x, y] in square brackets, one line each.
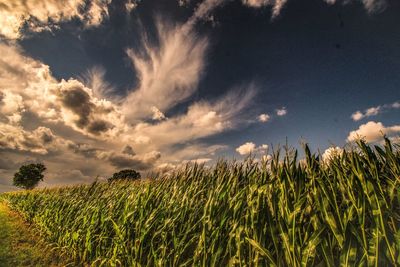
[83, 149]
[128, 150]
[78, 101]
[125, 161]
[99, 126]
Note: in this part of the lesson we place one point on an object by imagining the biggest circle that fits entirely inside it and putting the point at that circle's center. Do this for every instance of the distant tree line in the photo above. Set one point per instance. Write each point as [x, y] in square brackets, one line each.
[28, 176]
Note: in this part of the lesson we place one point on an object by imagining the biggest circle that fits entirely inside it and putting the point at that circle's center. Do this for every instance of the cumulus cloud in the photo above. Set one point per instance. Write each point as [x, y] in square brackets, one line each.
[30, 87]
[281, 111]
[264, 117]
[331, 153]
[373, 132]
[373, 111]
[40, 15]
[249, 147]
[41, 140]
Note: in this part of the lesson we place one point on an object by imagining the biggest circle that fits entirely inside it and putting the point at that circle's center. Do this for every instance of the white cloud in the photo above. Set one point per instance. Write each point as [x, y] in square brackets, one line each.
[373, 111]
[276, 5]
[168, 72]
[202, 119]
[130, 5]
[356, 116]
[371, 6]
[281, 112]
[40, 141]
[95, 79]
[246, 148]
[331, 153]
[39, 15]
[396, 105]
[264, 117]
[250, 147]
[373, 132]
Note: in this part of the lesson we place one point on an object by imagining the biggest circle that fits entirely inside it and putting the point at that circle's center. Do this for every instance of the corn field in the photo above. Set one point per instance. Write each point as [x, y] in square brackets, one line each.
[280, 212]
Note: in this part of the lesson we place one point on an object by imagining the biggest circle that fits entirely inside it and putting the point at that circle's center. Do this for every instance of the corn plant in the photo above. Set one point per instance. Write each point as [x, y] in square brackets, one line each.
[280, 212]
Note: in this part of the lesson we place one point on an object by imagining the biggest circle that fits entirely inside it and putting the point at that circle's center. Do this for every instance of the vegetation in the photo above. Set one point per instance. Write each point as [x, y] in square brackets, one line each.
[283, 212]
[127, 174]
[19, 246]
[29, 176]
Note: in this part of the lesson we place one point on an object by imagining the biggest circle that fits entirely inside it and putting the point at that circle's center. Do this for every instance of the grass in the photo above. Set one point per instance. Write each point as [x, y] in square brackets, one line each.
[19, 246]
[283, 212]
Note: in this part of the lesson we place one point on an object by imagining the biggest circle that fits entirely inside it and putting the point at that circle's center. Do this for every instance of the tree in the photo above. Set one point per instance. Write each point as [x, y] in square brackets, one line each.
[127, 174]
[29, 175]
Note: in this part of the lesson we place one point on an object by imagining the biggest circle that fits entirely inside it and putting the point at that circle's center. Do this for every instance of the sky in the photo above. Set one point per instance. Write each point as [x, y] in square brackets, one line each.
[92, 87]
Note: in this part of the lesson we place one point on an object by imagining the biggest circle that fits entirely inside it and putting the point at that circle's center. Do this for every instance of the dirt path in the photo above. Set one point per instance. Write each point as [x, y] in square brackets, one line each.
[19, 246]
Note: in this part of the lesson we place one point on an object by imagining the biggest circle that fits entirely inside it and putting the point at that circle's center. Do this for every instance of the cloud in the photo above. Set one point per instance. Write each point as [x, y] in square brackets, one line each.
[77, 123]
[40, 141]
[372, 132]
[331, 153]
[276, 5]
[137, 162]
[16, 16]
[130, 5]
[396, 105]
[95, 80]
[281, 112]
[202, 11]
[250, 147]
[128, 150]
[373, 111]
[157, 114]
[202, 119]
[168, 72]
[264, 117]
[32, 88]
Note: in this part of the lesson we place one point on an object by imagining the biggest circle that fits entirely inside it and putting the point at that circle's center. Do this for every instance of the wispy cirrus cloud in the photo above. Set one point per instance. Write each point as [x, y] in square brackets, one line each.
[168, 72]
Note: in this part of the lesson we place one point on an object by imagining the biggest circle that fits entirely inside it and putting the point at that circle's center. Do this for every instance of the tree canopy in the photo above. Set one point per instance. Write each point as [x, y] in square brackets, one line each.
[28, 176]
[127, 174]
